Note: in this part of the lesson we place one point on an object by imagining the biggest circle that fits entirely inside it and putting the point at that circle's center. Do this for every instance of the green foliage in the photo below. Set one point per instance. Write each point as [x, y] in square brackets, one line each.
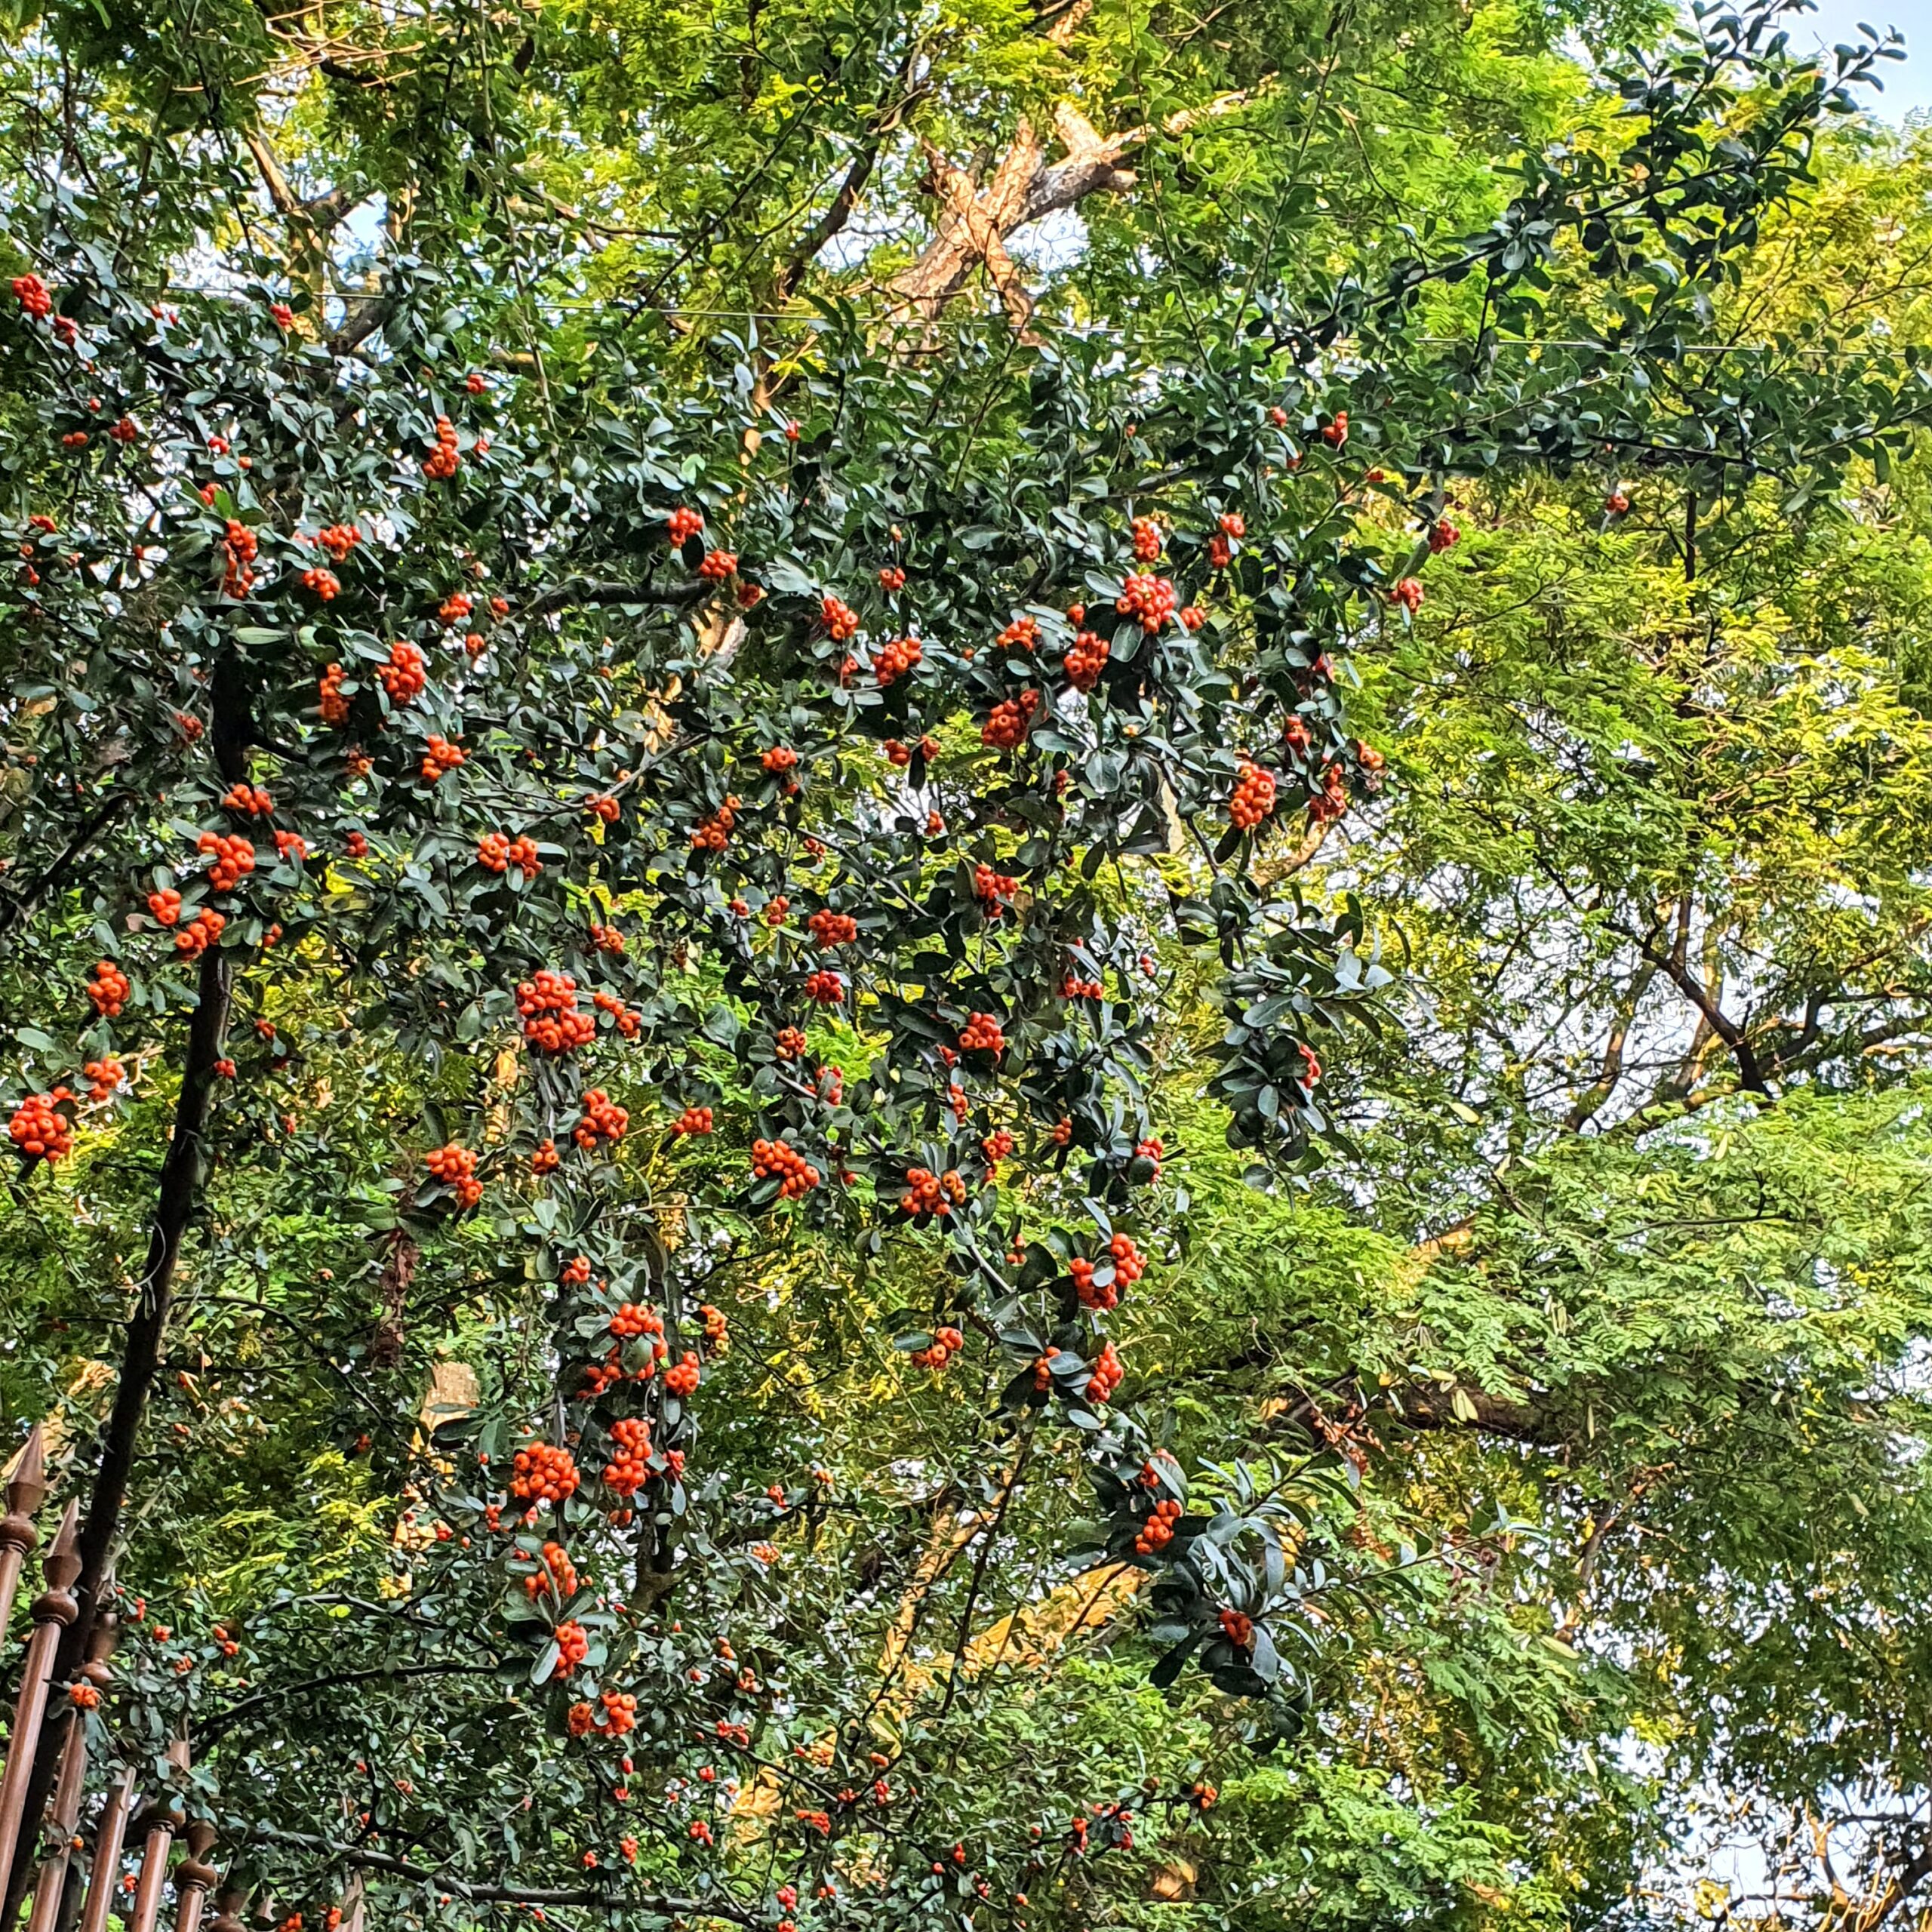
[1527, 1361]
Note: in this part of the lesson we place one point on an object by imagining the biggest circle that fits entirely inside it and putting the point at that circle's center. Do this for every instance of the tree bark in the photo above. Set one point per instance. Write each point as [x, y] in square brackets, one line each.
[179, 1194]
[177, 1198]
[975, 222]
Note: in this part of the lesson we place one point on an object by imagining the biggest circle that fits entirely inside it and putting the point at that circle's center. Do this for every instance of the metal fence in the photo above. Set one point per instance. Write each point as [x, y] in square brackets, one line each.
[84, 1845]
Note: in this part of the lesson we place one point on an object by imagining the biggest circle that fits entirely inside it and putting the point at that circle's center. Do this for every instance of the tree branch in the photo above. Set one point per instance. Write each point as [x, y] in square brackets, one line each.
[671, 1906]
[15, 907]
[577, 590]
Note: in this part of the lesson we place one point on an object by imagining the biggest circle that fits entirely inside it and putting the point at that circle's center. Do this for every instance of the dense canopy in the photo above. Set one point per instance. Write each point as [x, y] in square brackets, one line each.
[963, 966]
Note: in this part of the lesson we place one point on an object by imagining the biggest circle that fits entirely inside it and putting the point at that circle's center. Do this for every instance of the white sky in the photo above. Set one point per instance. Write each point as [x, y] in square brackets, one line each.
[1908, 82]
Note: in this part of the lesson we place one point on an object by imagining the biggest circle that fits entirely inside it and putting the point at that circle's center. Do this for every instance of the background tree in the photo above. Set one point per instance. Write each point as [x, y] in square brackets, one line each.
[382, 336]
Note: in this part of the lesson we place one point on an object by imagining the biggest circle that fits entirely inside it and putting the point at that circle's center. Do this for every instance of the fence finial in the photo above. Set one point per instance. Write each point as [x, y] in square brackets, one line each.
[26, 1490]
[53, 1610]
[58, 1568]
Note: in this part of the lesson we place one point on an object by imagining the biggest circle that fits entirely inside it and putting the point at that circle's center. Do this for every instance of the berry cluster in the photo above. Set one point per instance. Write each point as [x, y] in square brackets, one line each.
[238, 576]
[824, 988]
[329, 700]
[497, 852]
[1105, 1377]
[693, 1120]
[105, 1074]
[994, 891]
[996, 1145]
[779, 760]
[839, 620]
[1159, 1530]
[339, 539]
[405, 674]
[200, 932]
[1074, 987]
[1023, 634]
[31, 293]
[894, 660]
[1009, 720]
[683, 524]
[441, 463]
[982, 1034]
[1443, 535]
[234, 859]
[544, 1473]
[891, 577]
[572, 1645]
[109, 990]
[1151, 599]
[629, 1468]
[440, 756]
[681, 1380]
[553, 1022]
[325, 584]
[456, 1167]
[601, 1119]
[928, 1193]
[1086, 658]
[558, 1575]
[1253, 798]
[1408, 593]
[946, 1342]
[1238, 1630]
[251, 801]
[1331, 800]
[718, 566]
[715, 834]
[1100, 1296]
[1147, 539]
[781, 1158]
[830, 928]
[634, 1319]
[38, 1130]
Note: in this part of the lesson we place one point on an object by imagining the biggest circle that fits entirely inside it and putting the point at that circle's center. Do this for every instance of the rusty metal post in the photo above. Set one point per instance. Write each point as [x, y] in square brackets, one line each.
[228, 1918]
[54, 1609]
[193, 1876]
[60, 1830]
[26, 1490]
[66, 1816]
[162, 1817]
[104, 1871]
